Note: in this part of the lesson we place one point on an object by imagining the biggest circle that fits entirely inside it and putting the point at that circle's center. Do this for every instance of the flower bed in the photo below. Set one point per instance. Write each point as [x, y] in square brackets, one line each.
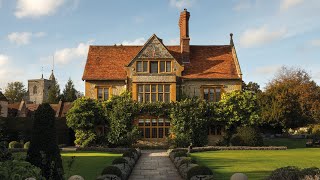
[121, 167]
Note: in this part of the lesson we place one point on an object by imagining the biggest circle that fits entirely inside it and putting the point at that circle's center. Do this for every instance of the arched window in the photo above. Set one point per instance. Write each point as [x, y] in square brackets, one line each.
[35, 90]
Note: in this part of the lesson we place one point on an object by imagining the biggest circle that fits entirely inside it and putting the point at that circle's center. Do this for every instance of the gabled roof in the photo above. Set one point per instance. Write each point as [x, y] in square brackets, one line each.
[206, 62]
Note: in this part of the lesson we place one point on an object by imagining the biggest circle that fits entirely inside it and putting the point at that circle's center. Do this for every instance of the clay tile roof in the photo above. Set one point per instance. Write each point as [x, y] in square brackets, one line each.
[32, 107]
[210, 62]
[108, 62]
[206, 62]
[13, 106]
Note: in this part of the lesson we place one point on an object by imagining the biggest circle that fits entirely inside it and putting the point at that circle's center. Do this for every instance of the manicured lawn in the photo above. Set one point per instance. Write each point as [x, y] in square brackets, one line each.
[259, 164]
[87, 164]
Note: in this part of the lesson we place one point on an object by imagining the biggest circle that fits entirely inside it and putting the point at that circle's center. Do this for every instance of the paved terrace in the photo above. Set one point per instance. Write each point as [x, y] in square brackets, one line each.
[154, 165]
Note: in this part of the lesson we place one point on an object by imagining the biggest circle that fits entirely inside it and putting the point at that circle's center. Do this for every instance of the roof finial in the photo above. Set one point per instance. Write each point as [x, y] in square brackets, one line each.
[231, 39]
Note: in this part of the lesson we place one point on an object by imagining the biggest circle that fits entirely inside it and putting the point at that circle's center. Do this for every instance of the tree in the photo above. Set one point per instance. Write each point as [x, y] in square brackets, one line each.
[69, 92]
[251, 86]
[15, 92]
[44, 151]
[240, 108]
[85, 115]
[54, 93]
[290, 100]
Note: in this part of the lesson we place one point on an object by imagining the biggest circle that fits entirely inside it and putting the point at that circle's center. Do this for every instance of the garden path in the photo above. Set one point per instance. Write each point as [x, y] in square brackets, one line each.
[154, 165]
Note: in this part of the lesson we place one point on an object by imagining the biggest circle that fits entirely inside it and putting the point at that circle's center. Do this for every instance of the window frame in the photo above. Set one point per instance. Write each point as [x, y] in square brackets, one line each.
[161, 127]
[209, 88]
[143, 94]
[142, 66]
[147, 66]
[108, 88]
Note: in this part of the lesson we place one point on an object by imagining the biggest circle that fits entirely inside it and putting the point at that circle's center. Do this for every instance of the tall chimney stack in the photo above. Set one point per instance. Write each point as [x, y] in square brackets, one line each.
[184, 35]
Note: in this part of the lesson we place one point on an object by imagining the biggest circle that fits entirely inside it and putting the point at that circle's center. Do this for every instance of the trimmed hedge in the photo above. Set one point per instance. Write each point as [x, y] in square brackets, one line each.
[294, 173]
[26, 145]
[220, 148]
[247, 136]
[119, 161]
[112, 170]
[198, 170]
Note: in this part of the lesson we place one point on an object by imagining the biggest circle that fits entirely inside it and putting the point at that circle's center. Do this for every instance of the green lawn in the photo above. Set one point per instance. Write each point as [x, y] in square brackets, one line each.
[87, 164]
[259, 164]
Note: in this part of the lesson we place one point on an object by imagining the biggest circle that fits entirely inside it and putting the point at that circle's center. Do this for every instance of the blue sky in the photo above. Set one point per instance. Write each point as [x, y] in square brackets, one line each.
[267, 33]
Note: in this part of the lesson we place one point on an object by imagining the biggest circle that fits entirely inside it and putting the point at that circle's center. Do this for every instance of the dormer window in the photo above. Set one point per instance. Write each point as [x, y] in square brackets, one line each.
[153, 66]
[142, 66]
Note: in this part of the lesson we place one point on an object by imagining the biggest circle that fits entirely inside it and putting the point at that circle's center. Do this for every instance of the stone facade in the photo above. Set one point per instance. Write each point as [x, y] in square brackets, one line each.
[3, 108]
[116, 87]
[38, 90]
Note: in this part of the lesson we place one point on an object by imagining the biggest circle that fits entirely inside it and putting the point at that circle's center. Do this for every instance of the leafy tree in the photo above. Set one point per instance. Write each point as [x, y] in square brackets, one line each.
[251, 86]
[83, 118]
[121, 111]
[69, 92]
[54, 93]
[239, 108]
[15, 92]
[190, 120]
[290, 100]
[44, 151]
[19, 170]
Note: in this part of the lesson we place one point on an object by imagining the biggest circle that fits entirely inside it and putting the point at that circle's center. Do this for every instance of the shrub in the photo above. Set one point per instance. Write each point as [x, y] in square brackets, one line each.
[188, 161]
[112, 170]
[44, 151]
[316, 131]
[313, 171]
[26, 145]
[19, 170]
[5, 154]
[199, 170]
[119, 160]
[128, 154]
[182, 140]
[247, 136]
[15, 144]
[180, 154]
[285, 173]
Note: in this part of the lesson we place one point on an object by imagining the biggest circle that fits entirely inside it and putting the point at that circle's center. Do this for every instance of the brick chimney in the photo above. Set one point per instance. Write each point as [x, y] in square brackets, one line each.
[184, 35]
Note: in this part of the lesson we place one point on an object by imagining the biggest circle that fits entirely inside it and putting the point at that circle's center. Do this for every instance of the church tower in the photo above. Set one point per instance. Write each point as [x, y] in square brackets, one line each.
[38, 89]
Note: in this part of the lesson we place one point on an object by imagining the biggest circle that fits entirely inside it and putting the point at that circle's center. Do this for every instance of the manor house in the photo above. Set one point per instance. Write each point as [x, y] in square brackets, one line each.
[166, 73]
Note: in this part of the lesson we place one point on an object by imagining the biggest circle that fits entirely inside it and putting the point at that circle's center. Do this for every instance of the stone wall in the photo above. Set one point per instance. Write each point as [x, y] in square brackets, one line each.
[192, 88]
[3, 109]
[117, 87]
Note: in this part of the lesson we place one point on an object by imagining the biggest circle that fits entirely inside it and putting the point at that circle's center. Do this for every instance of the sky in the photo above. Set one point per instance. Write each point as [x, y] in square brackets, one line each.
[268, 34]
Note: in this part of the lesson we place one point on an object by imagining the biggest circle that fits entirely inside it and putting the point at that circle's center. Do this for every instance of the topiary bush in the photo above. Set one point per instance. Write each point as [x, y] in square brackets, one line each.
[188, 161]
[15, 144]
[313, 171]
[44, 151]
[198, 170]
[112, 170]
[128, 154]
[247, 136]
[119, 160]
[285, 173]
[26, 145]
[180, 154]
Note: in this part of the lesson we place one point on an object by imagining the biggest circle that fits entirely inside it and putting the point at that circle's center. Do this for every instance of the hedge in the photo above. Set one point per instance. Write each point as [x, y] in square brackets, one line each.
[20, 128]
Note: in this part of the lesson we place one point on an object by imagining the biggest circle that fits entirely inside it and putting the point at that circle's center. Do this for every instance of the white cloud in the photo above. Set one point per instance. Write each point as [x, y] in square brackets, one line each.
[66, 55]
[242, 5]
[23, 38]
[181, 4]
[260, 36]
[3, 60]
[267, 69]
[286, 4]
[139, 41]
[36, 8]
[8, 73]
[315, 43]
[20, 38]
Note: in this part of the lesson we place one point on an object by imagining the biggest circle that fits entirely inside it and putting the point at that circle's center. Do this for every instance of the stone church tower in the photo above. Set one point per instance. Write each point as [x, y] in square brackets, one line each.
[38, 89]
